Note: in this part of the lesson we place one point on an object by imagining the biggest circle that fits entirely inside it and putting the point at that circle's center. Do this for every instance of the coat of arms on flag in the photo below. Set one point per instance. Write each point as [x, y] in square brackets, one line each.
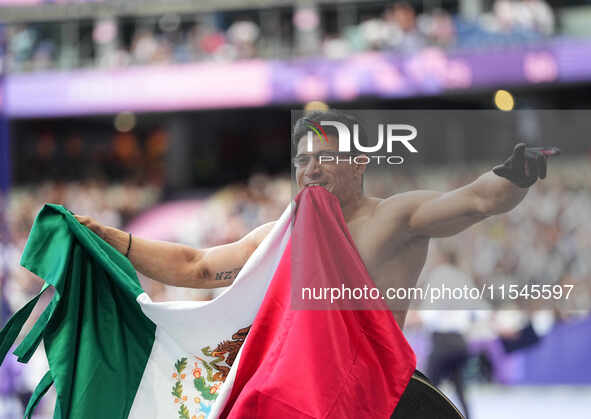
[195, 392]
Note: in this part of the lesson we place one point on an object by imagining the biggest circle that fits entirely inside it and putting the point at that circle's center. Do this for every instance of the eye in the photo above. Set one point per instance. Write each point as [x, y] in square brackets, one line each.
[300, 161]
[327, 157]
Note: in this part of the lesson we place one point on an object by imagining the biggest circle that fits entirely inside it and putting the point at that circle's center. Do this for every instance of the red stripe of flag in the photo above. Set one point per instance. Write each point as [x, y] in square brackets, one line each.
[320, 363]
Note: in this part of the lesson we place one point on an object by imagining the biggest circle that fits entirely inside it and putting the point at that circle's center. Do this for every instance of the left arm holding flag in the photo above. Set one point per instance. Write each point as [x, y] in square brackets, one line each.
[180, 265]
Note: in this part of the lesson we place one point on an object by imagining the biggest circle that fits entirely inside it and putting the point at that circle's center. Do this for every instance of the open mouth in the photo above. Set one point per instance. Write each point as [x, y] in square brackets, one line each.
[315, 184]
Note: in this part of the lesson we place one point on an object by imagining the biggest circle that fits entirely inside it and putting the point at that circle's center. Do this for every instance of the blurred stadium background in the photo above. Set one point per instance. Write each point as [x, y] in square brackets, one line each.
[172, 120]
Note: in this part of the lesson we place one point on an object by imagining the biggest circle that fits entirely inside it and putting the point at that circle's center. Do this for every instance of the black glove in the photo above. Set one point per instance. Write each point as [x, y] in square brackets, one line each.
[526, 164]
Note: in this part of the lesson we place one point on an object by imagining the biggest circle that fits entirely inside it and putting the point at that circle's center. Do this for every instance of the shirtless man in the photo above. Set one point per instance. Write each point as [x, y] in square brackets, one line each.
[391, 235]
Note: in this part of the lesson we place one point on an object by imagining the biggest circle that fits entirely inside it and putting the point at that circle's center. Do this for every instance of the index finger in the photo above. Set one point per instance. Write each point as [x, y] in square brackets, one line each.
[547, 151]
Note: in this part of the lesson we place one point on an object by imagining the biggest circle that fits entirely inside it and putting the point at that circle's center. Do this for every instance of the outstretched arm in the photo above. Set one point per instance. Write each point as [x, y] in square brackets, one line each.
[436, 214]
[180, 265]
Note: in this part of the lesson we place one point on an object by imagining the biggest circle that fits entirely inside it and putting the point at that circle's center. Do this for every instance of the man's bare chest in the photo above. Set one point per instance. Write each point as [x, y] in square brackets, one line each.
[390, 262]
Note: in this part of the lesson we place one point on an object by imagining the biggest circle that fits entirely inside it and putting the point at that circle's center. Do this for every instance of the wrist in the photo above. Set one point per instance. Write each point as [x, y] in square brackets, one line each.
[496, 194]
[116, 238]
[128, 247]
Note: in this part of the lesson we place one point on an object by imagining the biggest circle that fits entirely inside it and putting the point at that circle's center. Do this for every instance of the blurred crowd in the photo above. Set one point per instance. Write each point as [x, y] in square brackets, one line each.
[282, 33]
[401, 29]
[112, 204]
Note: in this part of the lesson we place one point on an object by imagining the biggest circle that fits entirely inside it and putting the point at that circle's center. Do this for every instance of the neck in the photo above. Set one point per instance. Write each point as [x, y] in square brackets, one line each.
[352, 205]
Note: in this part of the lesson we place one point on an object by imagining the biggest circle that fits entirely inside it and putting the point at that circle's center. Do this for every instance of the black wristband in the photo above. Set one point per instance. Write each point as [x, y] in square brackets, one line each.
[128, 247]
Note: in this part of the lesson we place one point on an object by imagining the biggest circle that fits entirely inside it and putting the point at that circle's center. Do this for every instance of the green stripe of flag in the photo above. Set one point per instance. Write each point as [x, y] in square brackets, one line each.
[96, 337]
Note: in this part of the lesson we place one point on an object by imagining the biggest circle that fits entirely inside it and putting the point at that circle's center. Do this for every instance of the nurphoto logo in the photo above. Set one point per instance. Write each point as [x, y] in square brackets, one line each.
[387, 133]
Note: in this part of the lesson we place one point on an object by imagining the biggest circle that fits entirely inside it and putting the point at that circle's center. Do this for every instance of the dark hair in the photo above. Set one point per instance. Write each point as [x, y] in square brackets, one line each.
[302, 125]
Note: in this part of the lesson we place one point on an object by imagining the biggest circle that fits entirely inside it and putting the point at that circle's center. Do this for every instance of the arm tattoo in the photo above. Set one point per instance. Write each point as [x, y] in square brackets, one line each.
[227, 275]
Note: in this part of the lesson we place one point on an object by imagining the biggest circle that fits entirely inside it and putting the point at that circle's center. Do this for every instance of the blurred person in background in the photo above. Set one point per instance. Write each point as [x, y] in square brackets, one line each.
[206, 42]
[22, 39]
[243, 35]
[403, 15]
[448, 328]
[144, 47]
[439, 28]
[530, 15]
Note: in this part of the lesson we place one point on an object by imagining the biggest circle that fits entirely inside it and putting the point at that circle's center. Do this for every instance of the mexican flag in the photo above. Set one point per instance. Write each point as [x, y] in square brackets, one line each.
[257, 350]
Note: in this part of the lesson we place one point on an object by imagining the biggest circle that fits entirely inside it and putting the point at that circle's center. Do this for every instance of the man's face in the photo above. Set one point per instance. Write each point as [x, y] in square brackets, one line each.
[342, 179]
